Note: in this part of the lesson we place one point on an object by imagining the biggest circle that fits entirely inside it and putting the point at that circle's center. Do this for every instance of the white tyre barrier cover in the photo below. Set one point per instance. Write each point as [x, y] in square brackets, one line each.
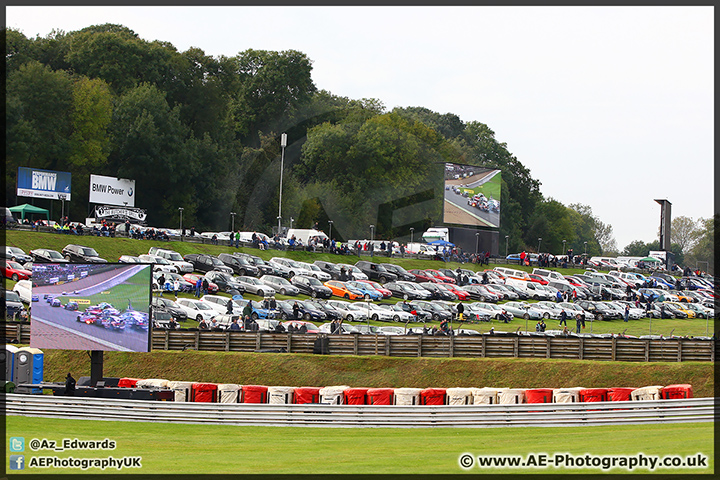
[407, 396]
[229, 393]
[332, 395]
[646, 393]
[182, 390]
[281, 395]
[153, 383]
[459, 396]
[485, 395]
[566, 395]
[511, 396]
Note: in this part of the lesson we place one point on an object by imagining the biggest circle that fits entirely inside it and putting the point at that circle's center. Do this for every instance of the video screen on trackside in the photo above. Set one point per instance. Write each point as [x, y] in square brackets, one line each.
[90, 306]
[472, 196]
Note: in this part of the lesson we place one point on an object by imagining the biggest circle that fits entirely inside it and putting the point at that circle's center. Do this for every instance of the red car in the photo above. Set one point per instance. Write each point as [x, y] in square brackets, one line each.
[439, 275]
[534, 277]
[384, 291]
[423, 276]
[15, 271]
[193, 278]
[461, 294]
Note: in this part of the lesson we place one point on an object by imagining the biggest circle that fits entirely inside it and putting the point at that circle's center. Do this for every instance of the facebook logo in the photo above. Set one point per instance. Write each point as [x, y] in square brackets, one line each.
[17, 462]
[17, 444]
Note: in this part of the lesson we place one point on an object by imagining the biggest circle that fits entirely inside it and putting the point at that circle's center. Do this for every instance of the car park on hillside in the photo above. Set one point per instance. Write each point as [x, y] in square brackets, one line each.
[81, 254]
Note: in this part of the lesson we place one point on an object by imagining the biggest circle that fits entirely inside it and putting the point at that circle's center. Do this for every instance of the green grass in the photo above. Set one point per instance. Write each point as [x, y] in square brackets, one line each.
[213, 449]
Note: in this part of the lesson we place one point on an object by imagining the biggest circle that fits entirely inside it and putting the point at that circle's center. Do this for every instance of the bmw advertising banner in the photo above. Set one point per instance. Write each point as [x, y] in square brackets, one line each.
[38, 183]
[112, 191]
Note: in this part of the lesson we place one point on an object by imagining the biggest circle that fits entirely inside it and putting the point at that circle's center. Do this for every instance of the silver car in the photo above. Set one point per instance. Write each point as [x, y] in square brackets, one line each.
[256, 286]
[281, 285]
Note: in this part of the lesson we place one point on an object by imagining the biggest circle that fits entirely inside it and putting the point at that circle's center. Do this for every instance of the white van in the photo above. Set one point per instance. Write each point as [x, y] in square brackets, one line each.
[550, 275]
[305, 234]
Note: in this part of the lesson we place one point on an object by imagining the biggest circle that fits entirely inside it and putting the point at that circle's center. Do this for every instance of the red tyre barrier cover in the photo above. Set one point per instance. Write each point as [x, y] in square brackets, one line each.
[432, 396]
[593, 395]
[538, 395]
[254, 394]
[128, 382]
[307, 395]
[355, 396]
[676, 391]
[204, 392]
[620, 394]
[380, 396]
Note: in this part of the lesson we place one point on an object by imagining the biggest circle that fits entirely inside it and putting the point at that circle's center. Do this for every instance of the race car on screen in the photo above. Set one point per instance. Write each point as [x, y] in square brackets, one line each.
[135, 319]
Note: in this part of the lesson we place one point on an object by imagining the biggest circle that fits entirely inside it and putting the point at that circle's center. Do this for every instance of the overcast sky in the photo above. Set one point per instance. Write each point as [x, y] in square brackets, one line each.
[610, 107]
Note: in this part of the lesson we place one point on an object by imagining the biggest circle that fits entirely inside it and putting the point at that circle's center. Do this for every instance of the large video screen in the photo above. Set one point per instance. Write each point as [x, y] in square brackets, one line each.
[90, 306]
[472, 196]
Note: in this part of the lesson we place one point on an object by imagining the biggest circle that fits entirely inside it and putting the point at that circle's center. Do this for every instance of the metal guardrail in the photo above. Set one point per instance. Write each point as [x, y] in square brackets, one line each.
[484, 346]
[388, 416]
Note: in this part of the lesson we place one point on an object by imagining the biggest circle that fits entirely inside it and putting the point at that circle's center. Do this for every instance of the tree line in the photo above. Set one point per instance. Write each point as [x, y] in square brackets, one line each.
[203, 133]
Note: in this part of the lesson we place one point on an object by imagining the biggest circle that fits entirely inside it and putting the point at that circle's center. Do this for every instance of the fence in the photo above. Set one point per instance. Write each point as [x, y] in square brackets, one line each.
[395, 416]
[523, 346]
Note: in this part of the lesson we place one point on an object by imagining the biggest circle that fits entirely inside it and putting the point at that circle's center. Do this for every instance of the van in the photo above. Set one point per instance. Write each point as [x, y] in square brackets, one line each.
[550, 275]
[511, 273]
[609, 261]
[305, 234]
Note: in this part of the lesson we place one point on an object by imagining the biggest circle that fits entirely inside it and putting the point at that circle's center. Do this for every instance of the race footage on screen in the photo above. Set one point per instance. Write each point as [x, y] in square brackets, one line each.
[78, 306]
[472, 196]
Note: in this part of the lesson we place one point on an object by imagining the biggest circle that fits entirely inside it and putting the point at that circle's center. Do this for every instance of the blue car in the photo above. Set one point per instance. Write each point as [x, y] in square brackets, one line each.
[365, 290]
[35, 297]
[661, 281]
[257, 310]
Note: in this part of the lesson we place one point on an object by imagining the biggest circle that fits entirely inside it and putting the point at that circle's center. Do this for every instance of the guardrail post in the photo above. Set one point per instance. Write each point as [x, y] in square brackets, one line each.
[614, 348]
[227, 341]
[387, 345]
[197, 340]
[647, 350]
[516, 347]
[679, 350]
[355, 345]
[548, 348]
[419, 345]
[18, 332]
[258, 341]
[581, 346]
[289, 342]
[452, 345]
[167, 339]
[482, 347]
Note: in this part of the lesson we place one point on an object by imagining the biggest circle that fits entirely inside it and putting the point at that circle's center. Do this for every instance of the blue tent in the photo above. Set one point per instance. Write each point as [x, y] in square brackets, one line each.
[441, 243]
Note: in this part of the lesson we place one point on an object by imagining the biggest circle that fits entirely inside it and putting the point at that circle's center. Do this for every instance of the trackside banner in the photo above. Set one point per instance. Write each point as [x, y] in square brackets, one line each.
[106, 212]
[112, 191]
[37, 183]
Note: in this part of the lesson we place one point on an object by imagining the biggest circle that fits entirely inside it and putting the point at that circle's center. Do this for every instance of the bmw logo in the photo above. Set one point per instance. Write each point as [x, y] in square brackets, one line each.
[130, 192]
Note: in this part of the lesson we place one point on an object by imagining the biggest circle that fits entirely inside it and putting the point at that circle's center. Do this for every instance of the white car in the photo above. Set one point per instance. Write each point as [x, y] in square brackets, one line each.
[356, 272]
[293, 267]
[351, 311]
[173, 257]
[346, 329]
[159, 263]
[573, 310]
[197, 309]
[219, 303]
[380, 314]
[24, 290]
[316, 272]
[398, 315]
[392, 330]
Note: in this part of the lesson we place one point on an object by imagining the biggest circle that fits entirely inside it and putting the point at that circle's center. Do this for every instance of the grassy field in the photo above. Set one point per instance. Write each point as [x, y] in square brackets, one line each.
[207, 449]
[112, 248]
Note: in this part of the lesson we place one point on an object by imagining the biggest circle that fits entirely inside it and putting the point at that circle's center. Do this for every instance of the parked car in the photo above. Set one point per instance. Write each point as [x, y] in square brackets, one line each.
[369, 293]
[356, 311]
[159, 263]
[383, 291]
[129, 259]
[523, 310]
[328, 267]
[317, 273]
[398, 314]
[439, 293]
[13, 304]
[309, 326]
[255, 286]
[440, 276]
[422, 276]
[193, 278]
[258, 310]
[46, 255]
[311, 286]
[17, 254]
[355, 271]
[345, 329]
[375, 271]
[225, 282]
[342, 290]
[78, 253]
[24, 289]
[168, 305]
[173, 257]
[196, 309]
[437, 312]
[401, 273]
[264, 267]
[15, 271]
[598, 309]
[293, 268]
[280, 284]
[408, 290]
[206, 263]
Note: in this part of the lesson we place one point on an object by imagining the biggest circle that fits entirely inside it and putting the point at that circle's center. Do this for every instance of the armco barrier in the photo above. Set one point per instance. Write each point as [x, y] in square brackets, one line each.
[610, 349]
[395, 416]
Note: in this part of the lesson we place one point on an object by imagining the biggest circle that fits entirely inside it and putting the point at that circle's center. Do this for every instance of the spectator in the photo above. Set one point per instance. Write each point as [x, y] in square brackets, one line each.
[161, 284]
[247, 311]
[296, 311]
[205, 285]
[234, 325]
[563, 318]
[203, 325]
[176, 287]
